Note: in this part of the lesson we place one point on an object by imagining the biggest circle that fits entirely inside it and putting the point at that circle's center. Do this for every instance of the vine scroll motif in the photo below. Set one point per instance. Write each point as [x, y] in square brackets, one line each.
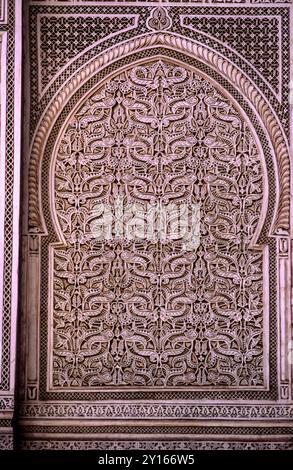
[143, 313]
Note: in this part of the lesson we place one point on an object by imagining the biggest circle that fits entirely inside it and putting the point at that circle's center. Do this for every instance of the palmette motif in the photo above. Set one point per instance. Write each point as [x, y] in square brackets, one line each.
[147, 312]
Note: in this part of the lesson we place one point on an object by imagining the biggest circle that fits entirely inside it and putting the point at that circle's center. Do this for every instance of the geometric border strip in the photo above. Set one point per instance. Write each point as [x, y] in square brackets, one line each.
[107, 431]
[53, 444]
[152, 410]
[179, 2]
[116, 430]
[8, 307]
[3, 113]
[12, 195]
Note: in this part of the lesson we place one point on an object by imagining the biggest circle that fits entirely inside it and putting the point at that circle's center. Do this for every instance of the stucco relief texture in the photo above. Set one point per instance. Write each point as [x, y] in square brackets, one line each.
[132, 315]
[6, 380]
[252, 38]
[153, 312]
[256, 39]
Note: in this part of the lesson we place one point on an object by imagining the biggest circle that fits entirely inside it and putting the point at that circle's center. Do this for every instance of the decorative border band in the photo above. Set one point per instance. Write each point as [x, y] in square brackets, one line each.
[154, 445]
[154, 410]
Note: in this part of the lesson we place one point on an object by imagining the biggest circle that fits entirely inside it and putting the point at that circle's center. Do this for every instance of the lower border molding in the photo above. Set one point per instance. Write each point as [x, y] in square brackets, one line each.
[154, 445]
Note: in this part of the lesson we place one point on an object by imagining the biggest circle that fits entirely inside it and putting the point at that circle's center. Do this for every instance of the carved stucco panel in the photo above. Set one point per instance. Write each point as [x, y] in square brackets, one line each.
[98, 368]
[231, 72]
[151, 313]
[234, 75]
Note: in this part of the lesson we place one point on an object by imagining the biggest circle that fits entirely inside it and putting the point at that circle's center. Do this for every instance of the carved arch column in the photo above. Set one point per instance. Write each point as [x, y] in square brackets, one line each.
[104, 314]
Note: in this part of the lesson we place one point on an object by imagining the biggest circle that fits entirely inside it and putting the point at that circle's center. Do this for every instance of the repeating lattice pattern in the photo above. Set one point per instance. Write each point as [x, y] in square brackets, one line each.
[255, 38]
[171, 1]
[42, 444]
[62, 38]
[9, 184]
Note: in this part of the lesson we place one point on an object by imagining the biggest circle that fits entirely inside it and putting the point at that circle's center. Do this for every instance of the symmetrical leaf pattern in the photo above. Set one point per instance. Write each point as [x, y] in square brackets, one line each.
[143, 312]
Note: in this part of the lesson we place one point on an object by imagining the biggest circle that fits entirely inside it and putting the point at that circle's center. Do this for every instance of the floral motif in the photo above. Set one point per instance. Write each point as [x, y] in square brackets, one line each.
[159, 19]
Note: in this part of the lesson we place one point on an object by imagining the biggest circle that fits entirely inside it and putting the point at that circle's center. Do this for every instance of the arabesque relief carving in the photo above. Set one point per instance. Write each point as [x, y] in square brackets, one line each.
[133, 333]
[227, 69]
[141, 312]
